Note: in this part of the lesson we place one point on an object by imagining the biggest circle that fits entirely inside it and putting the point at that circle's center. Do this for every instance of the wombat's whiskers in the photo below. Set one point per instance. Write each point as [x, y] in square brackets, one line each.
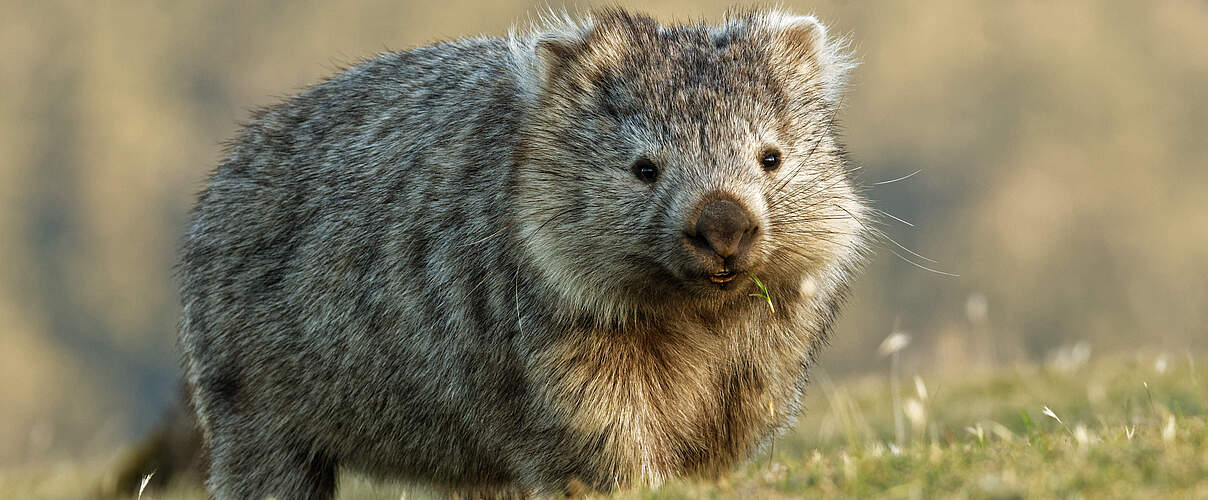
[344, 274]
[883, 236]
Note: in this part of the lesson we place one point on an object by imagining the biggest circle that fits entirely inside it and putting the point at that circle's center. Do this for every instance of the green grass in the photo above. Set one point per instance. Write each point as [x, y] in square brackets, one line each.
[1127, 430]
[763, 292]
[987, 436]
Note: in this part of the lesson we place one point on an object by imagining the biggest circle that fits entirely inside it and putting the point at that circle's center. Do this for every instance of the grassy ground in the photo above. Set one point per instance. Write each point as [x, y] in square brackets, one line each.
[1129, 427]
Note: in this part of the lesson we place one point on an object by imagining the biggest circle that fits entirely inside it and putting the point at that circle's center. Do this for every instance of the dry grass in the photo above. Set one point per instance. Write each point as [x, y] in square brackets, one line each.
[1115, 428]
[1059, 149]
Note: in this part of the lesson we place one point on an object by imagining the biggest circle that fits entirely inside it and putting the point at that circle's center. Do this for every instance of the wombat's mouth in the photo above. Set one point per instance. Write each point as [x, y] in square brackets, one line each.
[722, 277]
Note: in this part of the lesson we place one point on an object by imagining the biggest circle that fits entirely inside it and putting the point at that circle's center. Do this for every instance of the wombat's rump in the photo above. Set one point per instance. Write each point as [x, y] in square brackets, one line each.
[509, 266]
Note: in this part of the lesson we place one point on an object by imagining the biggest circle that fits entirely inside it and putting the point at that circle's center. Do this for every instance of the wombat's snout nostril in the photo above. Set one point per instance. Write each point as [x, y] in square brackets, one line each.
[724, 227]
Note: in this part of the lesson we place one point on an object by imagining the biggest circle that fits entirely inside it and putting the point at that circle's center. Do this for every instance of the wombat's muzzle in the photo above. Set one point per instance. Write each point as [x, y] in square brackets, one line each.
[721, 238]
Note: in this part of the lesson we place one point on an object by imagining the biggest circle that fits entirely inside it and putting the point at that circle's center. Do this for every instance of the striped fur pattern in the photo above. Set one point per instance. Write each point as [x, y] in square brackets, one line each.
[438, 266]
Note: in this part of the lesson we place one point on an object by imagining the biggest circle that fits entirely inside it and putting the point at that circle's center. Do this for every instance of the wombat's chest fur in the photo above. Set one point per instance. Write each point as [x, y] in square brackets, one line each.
[670, 403]
[525, 265]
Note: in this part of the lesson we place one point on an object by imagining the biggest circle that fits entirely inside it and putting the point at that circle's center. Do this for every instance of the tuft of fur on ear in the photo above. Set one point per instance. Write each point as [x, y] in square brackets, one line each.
[546, 47]
[807, 46]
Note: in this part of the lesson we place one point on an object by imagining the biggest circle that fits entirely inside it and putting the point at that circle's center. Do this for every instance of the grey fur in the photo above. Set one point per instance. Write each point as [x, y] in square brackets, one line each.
[437, 266]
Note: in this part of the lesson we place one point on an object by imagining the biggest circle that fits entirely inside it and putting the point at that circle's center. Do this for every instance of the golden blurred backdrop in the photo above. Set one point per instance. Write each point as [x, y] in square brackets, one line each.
[1061, 149]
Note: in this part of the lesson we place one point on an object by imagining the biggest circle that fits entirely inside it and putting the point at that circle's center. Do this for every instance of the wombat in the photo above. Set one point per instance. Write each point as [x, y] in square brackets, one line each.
[597, 255]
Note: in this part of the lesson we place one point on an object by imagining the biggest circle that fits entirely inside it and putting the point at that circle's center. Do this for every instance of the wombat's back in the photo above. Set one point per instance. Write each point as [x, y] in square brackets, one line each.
[514, 266]
[331, 278]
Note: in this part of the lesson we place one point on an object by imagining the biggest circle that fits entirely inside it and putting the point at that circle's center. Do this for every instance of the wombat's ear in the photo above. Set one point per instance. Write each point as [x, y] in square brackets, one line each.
[550, 51]
[806, 47]
[556, 54]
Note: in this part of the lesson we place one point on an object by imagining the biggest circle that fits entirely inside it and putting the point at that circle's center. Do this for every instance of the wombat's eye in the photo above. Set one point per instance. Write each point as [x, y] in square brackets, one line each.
[645, 170]
[770, 159]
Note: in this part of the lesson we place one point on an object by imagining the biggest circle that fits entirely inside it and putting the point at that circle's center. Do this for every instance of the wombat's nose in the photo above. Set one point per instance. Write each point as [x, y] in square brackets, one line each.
[725, 227]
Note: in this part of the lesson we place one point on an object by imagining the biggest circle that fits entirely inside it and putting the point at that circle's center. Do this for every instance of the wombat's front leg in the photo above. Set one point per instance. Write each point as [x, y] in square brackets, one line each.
[249, 465]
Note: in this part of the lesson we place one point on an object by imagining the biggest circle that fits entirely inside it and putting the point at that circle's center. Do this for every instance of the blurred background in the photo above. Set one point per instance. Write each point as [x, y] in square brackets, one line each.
[1060, 150]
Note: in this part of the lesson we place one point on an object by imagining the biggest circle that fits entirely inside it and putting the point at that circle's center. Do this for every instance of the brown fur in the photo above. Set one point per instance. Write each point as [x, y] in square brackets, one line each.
[445, 265]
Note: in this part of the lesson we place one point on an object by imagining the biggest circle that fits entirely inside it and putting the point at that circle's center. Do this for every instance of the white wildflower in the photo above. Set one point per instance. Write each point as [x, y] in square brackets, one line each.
[920, 388]
[979, 431]
[1082, 435]
[895, 342]
[1050, 413]
[916, 413]
[143, 485]
[1168, 430]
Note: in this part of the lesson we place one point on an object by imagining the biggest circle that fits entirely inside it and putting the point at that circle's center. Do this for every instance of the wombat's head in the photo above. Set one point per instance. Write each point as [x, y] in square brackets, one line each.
[662, 167]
